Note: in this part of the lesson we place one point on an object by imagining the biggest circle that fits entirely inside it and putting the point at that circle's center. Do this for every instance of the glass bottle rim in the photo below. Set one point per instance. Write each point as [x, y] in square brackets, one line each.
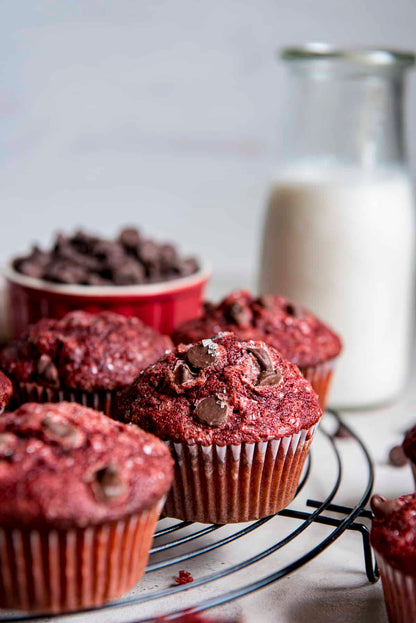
[373, 57]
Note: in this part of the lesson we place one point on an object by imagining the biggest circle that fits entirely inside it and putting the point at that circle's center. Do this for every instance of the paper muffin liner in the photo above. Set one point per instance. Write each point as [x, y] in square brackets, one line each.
[236, 483]
[319, 377]
[58, 570]
[399, 592]
[100, 400]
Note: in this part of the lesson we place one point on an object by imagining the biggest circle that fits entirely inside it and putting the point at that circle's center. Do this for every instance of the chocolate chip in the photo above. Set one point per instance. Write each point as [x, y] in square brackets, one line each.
[266, 301]
[63, 272]
[262, 357]
[212, 411]
[47, 371]
[294, 310]
[382, 507]
[187, 267]
[30, 269]
[129, 273]
[397, 457]
[183, 374]
[201, 356]
[269, 377]
[239, 315]
[149, 251]
[62, 431]
[89, 260]
[130, 238]
[8, 444]
[108, 484]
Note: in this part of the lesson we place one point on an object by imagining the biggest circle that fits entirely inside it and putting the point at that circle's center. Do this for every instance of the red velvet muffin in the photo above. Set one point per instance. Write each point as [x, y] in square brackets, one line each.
[296, 333]
[239, 420]
[6, 391]
[82, 358]
[80, 496]
[393, 537]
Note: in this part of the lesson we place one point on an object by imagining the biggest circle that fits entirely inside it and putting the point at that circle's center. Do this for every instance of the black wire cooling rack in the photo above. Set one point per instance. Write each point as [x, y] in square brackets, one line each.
[200, 541]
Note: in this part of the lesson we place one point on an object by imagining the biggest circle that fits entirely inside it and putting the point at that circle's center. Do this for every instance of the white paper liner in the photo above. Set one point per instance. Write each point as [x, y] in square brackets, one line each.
[236, 483]
[51, 571]
[399, 592]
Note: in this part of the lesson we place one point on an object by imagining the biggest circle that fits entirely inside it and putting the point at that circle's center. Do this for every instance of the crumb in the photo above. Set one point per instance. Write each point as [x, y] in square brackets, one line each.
[184, 577]
[397, 457]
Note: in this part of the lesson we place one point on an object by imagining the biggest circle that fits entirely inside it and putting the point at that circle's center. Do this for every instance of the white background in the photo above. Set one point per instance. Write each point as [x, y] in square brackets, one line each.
[159, 112]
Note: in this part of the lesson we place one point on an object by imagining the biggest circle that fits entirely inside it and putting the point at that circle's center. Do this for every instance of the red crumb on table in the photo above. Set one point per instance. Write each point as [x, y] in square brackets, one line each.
[184, 577]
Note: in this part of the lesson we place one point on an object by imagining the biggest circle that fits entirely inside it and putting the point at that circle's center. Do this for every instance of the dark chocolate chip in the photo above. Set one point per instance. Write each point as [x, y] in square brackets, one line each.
[269, 377]
[62, 431]
[382, 507]
[130, 238]
[63, 272]
[262, 357]
[239, 315]
[183, 374]
[265, 301]
[201, 356]
[8, 444]
[397, 457]
[294, 310]
[212, 411]
[187, 267]
[47, 371]
[149, 251]
[30, 268]
[128, 273]
[108, 484]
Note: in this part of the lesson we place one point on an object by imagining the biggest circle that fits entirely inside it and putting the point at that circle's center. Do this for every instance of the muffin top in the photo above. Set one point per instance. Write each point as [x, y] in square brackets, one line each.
[292, 330]
[221, 391]
[393, 533]
[103, 351]
[6, 390]
[64, 464]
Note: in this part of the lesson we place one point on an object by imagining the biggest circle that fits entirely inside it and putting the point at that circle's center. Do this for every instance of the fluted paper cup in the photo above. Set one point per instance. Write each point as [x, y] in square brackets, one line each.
[236, 483]
[100, 400]
[319, 377]
[399, 592]
[63, 570]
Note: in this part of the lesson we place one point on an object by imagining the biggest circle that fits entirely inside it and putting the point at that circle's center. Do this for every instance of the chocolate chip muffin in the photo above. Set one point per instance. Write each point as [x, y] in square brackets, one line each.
[239, 420]
[83, 357]
[393, 537]
[296, 333]
[80, 496]
[6, 391]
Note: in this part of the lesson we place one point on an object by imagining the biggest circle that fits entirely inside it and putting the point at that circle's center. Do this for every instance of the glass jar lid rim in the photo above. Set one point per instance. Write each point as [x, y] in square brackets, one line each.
[377, 57]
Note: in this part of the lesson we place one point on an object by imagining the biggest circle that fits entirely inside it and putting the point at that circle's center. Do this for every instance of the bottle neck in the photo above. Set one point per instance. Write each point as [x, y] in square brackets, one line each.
[344, 116]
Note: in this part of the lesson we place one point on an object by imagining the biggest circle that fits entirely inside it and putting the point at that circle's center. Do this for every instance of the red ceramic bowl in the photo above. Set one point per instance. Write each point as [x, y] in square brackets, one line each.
[163, 306]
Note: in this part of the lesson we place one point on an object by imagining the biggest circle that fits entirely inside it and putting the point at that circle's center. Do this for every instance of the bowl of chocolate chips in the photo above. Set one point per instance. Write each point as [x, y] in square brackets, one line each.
[131, 274]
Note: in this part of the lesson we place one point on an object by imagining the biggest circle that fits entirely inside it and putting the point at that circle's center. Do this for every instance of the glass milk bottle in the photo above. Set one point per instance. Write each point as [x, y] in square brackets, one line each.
[339, 230]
